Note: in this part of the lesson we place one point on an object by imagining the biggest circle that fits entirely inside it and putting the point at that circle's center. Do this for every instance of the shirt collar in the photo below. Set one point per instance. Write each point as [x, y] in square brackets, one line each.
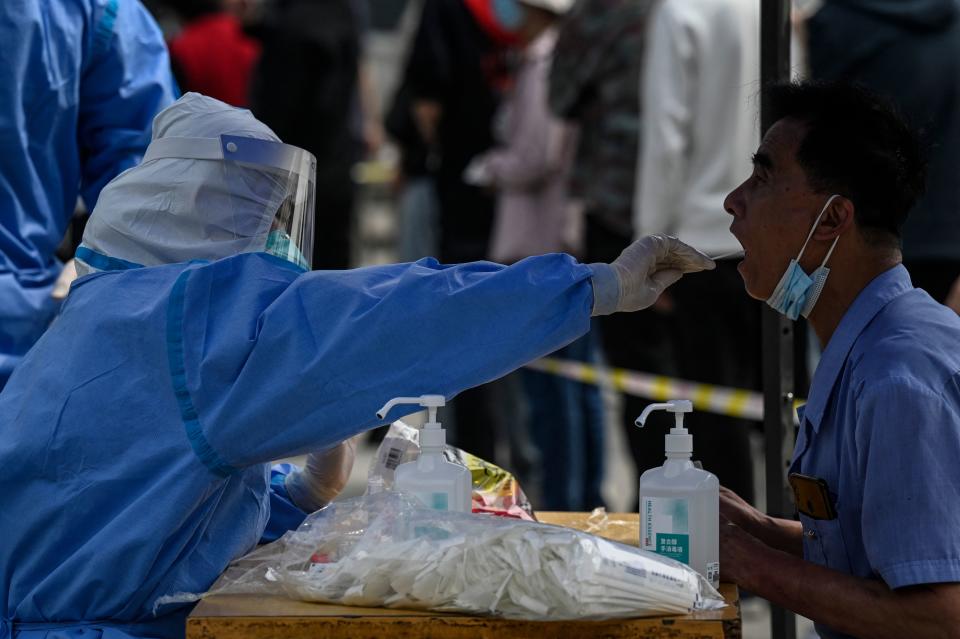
[881, 291]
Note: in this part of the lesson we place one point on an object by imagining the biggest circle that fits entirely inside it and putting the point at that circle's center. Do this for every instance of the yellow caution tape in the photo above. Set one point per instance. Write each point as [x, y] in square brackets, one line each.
[374, 173]
[732, 402]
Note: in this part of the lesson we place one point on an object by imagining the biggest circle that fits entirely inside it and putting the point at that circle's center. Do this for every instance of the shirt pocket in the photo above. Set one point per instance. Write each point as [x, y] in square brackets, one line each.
[823, 543]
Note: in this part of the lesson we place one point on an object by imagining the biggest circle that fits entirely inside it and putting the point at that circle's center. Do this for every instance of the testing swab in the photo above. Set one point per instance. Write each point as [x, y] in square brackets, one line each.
[727, 256]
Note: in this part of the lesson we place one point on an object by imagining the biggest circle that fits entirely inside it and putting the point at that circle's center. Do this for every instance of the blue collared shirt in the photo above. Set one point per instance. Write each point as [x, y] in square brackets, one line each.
[882, 428]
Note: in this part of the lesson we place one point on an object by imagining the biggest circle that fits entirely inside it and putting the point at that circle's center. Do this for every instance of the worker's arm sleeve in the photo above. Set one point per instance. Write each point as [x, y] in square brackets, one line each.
[126, 81]
[908, 444]
[667, 98]
[284, 515]
[606, 289]
[314, 366]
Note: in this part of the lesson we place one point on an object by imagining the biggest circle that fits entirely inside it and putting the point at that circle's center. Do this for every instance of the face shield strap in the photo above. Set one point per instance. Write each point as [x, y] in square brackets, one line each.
[233, 148]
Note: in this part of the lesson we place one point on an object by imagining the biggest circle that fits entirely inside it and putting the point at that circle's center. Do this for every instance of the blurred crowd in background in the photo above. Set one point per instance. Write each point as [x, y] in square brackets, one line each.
[502, 129]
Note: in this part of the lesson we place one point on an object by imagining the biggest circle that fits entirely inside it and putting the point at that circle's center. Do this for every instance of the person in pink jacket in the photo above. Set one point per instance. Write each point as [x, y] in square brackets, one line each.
[530, 166]
[530, 169]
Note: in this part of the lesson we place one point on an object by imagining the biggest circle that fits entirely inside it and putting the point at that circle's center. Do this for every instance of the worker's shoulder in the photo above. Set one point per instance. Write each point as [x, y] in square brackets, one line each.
[58, 24]
[912, 340]
[246, 270]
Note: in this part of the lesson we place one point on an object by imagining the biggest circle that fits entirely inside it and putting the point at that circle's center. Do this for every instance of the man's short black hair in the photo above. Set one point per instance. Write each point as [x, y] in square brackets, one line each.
[856, 144]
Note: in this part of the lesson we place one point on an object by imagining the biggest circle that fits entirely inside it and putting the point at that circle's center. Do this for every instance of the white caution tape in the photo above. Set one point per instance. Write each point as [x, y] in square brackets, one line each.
[732, 402]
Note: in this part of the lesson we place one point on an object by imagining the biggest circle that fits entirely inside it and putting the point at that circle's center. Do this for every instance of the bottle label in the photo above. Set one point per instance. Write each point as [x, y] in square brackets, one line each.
[665, 527]
[437, 501]
[713, 572]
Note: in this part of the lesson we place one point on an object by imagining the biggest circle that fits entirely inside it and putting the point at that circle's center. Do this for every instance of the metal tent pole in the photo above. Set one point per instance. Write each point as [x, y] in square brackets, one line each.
[777, 332]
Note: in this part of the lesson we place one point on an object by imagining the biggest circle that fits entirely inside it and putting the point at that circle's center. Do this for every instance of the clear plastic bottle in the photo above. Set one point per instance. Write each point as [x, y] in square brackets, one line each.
[438, 483]
[680, 503]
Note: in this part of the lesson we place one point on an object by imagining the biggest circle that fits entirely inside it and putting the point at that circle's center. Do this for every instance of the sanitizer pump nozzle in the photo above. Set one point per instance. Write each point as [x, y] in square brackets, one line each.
[432, 435]
[678, 440]
[438, 483]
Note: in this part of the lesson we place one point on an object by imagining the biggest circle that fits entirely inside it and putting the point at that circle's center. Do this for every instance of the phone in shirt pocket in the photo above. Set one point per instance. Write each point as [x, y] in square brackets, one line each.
[812, 496]
[823, 534]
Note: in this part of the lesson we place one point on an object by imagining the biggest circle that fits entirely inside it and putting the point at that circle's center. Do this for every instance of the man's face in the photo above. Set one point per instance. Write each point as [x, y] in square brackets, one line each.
[773, 211]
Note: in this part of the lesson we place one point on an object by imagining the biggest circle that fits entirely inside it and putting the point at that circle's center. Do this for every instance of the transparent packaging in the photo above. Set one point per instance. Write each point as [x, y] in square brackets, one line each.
[495, 490]
[386, 549]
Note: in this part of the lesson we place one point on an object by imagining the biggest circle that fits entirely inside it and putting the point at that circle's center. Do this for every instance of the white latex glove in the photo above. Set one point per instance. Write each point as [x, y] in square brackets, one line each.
[642, 272]
[324, 476]
[62, 286]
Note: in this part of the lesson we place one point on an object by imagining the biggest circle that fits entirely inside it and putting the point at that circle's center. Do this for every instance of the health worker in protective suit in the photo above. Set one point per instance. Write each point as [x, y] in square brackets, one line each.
[196, 347]
[80, 82]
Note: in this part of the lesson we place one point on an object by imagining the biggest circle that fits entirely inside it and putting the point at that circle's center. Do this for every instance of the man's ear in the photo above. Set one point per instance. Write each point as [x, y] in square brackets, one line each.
[836, 220]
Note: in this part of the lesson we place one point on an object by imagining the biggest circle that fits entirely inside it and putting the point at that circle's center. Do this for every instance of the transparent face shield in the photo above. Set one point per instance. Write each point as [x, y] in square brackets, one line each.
[253, 195]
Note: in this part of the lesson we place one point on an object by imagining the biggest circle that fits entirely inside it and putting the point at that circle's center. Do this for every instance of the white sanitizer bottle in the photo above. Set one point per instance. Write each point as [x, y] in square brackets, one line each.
[680, 503]
[438, 483]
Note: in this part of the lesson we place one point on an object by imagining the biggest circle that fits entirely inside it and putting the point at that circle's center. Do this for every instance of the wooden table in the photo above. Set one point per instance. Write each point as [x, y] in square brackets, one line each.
[253, 617]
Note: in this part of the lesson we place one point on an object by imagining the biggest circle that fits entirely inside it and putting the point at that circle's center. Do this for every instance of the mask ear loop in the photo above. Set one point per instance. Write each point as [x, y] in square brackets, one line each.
[814, 228]
[830, 252]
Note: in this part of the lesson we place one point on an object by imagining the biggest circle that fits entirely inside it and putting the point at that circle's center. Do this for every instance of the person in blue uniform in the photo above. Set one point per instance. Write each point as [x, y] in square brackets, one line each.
[876, 550]
[196, 347]
[80, 82]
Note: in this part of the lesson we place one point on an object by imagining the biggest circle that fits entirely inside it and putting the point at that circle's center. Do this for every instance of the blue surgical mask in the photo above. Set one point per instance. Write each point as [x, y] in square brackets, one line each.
[279, 244]
[508, 13]
[797, 293]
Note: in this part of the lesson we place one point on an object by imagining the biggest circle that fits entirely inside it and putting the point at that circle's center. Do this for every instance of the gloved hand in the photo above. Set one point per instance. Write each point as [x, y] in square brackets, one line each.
[642, 272]
[62, 286]
[323, 477]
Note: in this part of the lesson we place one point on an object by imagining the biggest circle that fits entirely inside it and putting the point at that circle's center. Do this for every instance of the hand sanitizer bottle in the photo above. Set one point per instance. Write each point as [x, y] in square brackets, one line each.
[438, 483]
[680, 503]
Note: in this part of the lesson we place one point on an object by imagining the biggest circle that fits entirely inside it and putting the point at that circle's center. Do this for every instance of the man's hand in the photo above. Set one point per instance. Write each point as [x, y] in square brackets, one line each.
[860, 607]
[735, 509]
[864, 608]
[782, 534]
[740, 555]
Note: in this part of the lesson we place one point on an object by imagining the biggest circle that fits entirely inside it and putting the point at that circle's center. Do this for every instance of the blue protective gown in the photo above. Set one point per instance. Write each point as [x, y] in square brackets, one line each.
[135, 437]
[80, 82]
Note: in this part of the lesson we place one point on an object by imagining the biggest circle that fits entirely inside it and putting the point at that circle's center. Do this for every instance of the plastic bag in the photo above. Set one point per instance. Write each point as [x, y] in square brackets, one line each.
[385, 549]
[600, 523]
[495, 491]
